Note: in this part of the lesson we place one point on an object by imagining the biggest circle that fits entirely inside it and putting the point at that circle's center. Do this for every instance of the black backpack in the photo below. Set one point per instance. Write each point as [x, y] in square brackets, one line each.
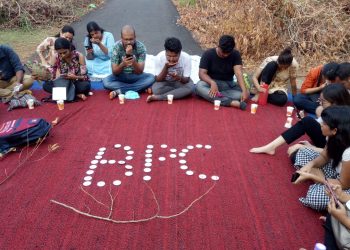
[20, 132]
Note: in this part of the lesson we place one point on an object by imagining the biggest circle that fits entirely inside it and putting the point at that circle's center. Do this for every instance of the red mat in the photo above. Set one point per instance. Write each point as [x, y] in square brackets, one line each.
[252, 206]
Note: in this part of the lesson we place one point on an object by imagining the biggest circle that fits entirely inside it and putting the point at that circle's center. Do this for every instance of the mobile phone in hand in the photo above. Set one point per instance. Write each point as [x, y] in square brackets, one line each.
[88, 47]
[333, 195]
[295, 176]
[128, 56]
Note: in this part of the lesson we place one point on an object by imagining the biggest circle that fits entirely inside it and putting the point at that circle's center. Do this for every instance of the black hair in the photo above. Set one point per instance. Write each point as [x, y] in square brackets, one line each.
[285, 57]
[329, 70]
[337, 117]
[336, 94]
[65, 29]
[173, 44]
[92, 26]
[62, 43]
[343, 71]
[227, 43]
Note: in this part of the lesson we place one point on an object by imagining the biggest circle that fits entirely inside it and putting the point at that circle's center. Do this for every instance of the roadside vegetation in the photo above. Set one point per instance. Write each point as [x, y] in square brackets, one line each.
[317, 30]
[25, 23]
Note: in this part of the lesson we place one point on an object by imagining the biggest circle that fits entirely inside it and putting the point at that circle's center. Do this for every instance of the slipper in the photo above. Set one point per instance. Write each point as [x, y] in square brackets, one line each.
[113, 94]
[243, 105]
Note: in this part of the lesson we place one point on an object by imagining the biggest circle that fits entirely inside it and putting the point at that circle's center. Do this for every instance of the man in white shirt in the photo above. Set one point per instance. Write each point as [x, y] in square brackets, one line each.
[173, 70]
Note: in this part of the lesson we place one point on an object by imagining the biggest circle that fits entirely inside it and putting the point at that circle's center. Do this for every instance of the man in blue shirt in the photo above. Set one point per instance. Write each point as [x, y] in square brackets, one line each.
[12, 78]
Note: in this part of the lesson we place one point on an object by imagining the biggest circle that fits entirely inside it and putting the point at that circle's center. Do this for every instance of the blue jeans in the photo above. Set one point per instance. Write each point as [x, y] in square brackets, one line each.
[230, 93]
[307, 102]
[125, 82]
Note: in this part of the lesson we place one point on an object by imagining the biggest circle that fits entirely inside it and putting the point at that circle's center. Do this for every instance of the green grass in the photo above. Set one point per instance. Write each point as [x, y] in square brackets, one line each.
[187, 2]
[24, 42]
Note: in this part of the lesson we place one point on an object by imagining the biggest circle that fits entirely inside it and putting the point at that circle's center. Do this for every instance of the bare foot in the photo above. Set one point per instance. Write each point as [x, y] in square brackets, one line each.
[82, 96]
[255, 98]
[55, 122]
[262, 150]
[151, 98]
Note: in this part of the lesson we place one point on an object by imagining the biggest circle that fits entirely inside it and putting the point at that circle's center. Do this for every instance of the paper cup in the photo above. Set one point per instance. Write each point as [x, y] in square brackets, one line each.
[288, 123]
[290, 110]
[217, 104]
[121, 98]
[60, 104]
[170, 99]
[253, 108]
[30, 103]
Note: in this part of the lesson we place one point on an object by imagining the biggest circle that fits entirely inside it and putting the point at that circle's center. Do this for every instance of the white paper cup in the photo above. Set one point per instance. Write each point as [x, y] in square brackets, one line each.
[60, 104]
[121, 98]
[217, 104]
[290, 110]
[30, 103]
[253, 108]
[170, 99]
[288, 123]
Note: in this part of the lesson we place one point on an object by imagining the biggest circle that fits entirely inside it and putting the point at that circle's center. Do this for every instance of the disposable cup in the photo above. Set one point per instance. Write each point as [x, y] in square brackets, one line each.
[217, 104]
[253, 108]
[60, 104]
[288, 123]
[170, 99]
[30, 103]
[290, 110]
[121, 98]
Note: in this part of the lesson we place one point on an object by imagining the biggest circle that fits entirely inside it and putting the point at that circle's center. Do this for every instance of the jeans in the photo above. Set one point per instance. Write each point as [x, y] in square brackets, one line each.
[230, 93]
[307, 102]
[178, 89]
[125, 82]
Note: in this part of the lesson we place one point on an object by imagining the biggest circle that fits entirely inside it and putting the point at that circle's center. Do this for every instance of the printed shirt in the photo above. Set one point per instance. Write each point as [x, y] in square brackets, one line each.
[74, 67]
[282, 77]
[139, 51]
[182, 68]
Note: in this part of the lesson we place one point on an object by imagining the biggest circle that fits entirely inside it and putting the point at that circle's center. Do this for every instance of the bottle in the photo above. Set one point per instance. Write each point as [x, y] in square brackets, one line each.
[319, 246]
[263, 95]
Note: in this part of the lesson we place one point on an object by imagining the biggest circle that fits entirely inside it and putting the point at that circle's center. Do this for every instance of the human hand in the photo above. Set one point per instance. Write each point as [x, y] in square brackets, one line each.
[128, 49]
[213, 90]
[294, 148]
[18, 87]
[170, 64]
[128, 61]
[337, 212]
[95, 40]
[245, 95]
[69, 76]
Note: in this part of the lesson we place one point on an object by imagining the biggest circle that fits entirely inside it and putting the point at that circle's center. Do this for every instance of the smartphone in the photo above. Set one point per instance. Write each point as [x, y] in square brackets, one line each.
[333, 195]
[295, 176]
[88, 47]
[128, 56]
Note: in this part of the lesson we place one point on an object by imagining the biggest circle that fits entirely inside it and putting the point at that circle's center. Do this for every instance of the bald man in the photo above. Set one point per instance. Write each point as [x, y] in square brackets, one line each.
[128, 63]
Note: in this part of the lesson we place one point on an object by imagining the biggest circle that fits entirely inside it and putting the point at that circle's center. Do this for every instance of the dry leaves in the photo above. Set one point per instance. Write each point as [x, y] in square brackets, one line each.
[317, 30]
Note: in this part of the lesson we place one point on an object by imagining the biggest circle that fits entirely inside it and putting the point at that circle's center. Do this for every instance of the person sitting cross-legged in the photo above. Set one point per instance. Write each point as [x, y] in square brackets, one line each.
[128, 63]
[216, 70]
[173, 68]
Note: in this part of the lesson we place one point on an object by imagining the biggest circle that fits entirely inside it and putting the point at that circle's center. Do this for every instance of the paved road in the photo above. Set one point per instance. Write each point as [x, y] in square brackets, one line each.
[154, 20]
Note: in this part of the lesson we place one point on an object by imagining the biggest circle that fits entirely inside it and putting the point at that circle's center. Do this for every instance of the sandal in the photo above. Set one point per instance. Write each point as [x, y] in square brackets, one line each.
[113, 94]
